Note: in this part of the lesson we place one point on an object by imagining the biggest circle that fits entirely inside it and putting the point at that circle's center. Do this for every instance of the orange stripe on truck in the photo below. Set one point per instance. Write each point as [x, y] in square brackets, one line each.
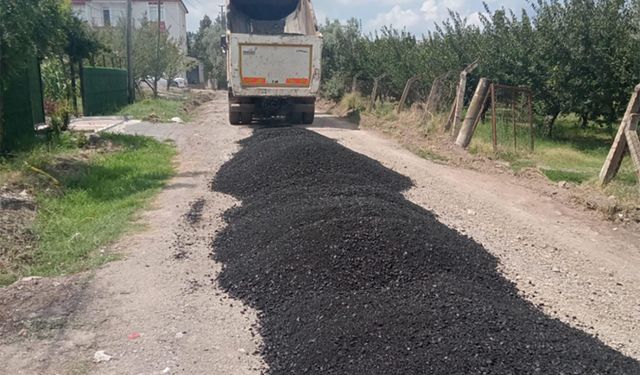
[254, 81]
[298, 81]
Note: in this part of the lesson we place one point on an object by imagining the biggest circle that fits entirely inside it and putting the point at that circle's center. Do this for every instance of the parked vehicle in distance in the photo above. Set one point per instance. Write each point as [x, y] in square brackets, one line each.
[179, 83]
[274, 53]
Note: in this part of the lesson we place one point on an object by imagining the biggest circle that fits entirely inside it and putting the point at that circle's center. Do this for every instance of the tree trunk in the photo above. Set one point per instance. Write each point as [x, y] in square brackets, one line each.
[584, 120]
[550, 122]
[155, 87]
[74, 98]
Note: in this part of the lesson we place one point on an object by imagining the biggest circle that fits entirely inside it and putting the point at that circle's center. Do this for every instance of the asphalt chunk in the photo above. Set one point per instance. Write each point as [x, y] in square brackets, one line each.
[351, 278]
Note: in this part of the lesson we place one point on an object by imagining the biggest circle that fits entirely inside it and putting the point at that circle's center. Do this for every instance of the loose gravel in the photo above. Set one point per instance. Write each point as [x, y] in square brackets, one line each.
[351, 278]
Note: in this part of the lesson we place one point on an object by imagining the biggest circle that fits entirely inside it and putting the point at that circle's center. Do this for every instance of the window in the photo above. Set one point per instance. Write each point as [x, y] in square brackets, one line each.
[106, 17]
[153, 12]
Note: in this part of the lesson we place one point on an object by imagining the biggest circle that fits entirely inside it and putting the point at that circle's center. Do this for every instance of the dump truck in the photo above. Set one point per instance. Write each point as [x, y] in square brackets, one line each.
[274, 53]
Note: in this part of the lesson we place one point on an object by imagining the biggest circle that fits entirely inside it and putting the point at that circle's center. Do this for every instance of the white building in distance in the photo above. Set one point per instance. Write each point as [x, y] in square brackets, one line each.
[173, 15]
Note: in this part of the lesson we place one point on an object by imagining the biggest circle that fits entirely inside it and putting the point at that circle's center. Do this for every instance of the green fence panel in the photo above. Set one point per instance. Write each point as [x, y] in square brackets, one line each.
[104, 90]
[23, 107]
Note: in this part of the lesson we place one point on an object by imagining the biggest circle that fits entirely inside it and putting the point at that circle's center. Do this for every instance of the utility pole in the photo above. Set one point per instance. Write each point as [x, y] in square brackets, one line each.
[130, 83]
[223, 18]
[158, 72]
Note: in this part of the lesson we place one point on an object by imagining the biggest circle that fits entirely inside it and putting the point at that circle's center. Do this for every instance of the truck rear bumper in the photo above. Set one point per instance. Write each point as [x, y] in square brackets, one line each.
[253, 108]
[269, 105]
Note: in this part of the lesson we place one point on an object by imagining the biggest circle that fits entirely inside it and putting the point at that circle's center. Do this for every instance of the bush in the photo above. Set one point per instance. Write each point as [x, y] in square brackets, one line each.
[55, 82]
[353, 102]
[334, 89]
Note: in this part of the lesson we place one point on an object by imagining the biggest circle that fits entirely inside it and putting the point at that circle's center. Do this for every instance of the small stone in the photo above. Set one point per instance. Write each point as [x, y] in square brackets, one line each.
[30, 279]
[100, 356]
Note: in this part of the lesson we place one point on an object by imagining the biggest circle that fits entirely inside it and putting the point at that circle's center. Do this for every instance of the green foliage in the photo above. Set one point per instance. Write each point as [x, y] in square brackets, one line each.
[334, 88]
[31, 27]
[55, 81]
[81, 42]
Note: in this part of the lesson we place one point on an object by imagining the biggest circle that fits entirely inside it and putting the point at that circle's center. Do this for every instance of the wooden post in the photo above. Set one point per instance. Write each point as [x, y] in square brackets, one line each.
[405, 93]
[513, 118]
[432, 94]
[454, 121]
[631, 133]
[374, 93]
[531, 128]
[620, 144]
[484, 105]
[494, 125]
[473, 114]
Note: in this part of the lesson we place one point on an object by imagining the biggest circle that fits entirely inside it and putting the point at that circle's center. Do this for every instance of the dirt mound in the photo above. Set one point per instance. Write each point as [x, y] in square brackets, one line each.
[350, 278]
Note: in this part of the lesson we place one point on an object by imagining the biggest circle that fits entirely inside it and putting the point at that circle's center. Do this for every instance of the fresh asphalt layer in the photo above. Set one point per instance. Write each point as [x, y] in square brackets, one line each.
[351, 278]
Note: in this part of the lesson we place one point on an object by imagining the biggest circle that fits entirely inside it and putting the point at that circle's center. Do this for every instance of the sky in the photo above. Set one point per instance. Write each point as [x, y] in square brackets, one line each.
[417, 16]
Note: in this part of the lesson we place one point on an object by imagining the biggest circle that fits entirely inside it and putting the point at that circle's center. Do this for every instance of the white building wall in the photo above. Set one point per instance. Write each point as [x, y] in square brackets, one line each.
[173, 14]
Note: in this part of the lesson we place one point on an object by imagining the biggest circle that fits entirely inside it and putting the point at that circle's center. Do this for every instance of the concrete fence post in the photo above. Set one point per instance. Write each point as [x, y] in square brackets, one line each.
[473, 114]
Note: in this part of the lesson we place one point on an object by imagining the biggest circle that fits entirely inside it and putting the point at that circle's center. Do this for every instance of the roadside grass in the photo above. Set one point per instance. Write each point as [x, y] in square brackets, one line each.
[156, 110]
[572, 154]
[96, 201]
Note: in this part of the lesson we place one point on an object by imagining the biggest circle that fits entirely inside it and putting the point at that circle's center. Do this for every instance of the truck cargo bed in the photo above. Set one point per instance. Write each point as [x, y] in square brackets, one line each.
[287, 65]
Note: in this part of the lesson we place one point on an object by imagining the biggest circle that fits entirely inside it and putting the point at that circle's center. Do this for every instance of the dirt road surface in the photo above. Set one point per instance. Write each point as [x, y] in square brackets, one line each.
[161, 310]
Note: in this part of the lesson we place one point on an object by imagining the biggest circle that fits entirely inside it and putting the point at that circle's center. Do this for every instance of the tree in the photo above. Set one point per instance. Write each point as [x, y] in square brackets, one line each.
[176, 63]
[150, 63]
[206, 48]
[214, 56]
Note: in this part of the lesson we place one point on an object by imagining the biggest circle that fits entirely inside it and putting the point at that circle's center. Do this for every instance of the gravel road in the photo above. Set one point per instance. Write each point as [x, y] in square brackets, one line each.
[420, 266]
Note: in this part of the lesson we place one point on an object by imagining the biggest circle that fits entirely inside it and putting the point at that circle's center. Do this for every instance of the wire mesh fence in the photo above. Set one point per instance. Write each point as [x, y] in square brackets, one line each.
[507, 120]
[429, 100]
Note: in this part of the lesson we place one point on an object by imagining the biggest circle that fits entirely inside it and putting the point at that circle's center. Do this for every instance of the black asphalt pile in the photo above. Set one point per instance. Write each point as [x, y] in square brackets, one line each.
[350, 278]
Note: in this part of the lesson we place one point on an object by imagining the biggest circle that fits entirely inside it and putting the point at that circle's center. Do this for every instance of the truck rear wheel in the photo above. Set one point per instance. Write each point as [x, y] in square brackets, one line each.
[295, 118]
[308, 118]
[246, 117]
[234, 118]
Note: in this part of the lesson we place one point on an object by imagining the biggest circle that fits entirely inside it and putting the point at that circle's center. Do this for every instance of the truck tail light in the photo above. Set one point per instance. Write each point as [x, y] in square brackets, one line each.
[298, 81]
[254, 81]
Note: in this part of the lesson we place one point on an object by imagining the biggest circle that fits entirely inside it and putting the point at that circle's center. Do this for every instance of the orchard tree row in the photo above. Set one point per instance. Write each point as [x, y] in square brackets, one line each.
[578, 56]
